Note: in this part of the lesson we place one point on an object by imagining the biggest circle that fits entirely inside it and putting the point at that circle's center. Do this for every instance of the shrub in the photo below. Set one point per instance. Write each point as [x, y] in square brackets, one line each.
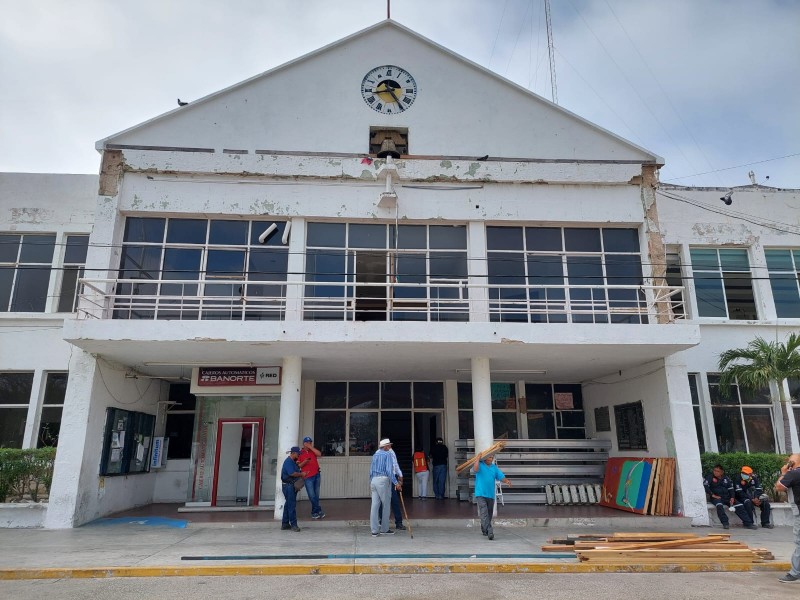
[766, 466]
[24, 474]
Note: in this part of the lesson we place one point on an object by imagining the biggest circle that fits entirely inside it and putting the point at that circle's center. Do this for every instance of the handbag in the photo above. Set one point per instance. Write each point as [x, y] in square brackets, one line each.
[299, 484]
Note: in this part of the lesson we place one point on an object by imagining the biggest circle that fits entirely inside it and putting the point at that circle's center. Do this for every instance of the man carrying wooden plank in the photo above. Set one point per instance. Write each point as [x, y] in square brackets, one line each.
[486, 475]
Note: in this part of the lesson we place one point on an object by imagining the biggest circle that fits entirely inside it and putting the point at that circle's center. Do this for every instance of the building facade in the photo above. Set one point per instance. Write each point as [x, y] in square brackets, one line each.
[378, 239]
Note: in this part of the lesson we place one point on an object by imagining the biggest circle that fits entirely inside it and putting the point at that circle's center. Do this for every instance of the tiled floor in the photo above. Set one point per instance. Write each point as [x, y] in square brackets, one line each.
[350, 509]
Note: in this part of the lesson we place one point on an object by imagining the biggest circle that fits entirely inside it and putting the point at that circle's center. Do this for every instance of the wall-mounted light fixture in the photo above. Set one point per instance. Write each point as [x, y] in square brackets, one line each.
[520, 371]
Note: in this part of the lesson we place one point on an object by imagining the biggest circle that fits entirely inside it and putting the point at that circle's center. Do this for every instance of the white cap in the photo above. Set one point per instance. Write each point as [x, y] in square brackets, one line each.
[385, 442]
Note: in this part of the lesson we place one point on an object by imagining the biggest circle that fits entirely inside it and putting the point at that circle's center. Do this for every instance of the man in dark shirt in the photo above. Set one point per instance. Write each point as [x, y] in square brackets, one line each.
[289, 473]
[790, 482]
[439, 459]
[719, 491]
[748, 491]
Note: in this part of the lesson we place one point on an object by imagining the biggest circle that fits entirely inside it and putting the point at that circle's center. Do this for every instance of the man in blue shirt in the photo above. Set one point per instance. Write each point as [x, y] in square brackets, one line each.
[289, 473]
[486, 475]
[381, 480]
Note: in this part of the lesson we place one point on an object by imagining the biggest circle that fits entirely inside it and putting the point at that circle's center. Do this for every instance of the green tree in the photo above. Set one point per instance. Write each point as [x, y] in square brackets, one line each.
[760, 364]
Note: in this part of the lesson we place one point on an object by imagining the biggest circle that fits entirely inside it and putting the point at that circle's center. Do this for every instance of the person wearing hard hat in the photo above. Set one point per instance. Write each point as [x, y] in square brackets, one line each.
[750, 493]
[720, 493]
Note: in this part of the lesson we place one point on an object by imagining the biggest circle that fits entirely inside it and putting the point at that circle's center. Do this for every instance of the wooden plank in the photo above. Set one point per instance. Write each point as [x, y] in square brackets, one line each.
[655, 535]
[671, 486]
[672, 543]
[656, 486]
[496, 447]
[558, 548]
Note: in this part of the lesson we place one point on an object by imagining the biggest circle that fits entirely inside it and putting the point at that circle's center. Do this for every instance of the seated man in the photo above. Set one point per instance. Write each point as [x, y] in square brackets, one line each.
[719, 492]
[749, 492]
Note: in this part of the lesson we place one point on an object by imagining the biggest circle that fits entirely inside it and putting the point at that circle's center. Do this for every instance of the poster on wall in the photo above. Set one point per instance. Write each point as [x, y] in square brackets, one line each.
[564, 401]
[626, 484]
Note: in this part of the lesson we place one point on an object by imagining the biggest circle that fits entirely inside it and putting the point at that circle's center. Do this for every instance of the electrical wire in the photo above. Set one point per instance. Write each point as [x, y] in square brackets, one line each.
[758, 162]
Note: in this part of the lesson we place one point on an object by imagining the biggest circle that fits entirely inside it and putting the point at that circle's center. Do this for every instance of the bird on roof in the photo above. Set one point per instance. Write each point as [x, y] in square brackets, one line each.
[181, 103]
[484, 157]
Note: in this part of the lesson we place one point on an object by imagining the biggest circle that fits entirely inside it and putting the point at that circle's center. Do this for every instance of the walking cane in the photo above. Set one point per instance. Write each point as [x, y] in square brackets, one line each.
[405, 514]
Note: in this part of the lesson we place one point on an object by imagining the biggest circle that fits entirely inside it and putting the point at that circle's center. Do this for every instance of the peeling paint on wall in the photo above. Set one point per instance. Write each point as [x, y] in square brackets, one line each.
[473, 168]
[30, 215]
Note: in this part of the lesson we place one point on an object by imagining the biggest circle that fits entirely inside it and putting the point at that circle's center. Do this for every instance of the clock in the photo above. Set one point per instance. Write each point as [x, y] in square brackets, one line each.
[389, 90]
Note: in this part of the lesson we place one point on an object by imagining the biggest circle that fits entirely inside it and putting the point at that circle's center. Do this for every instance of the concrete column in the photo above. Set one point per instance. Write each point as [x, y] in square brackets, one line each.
[65, 490]
[478, 270]
[296, 267]
[289, 420]
[688, 471]
[33, 419]
[482, 404]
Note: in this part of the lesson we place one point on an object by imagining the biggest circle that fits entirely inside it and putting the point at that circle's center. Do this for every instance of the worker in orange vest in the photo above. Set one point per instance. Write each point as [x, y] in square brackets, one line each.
[422, 471]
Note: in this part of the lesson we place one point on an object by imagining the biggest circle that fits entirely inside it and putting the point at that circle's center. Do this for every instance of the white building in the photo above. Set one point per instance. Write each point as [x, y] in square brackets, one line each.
[510, 252]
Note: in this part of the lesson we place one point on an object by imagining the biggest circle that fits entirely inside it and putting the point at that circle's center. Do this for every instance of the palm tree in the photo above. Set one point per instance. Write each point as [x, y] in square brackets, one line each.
[760, 364]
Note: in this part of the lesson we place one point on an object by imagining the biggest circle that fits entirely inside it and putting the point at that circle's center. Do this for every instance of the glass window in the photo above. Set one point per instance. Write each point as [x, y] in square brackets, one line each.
[428, 394]
[186, 231]
[620, 240]
[329, 432]
[410, 237]
[331, 395]
[325, 235]
[674, 277]
[504, 238]
[55, 388]
[74, 263]
[146, 230]
[396, 394]
[363, 433]
[179, 429]
[363, 395]
[25, 263]
[784, 277]
[723, 283]
[15, 395]
[539, 396]
[543, 239]
[465, 395]
[740, 424]
[541, 425]
[582, 240]
[448, 237]
[505, 425]
[275, 238]
[367, 236]
[229, 233]
[504, 396]
[49, 426]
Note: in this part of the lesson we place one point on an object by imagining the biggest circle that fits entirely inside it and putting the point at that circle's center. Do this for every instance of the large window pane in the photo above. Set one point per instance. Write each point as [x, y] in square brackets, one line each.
[363, 395]
[504, 238]
[448, 237]
[326, 235]
[49, 426]
[428, 394]
[760, 431]
[710, 297]
[37, 248]
[186, 231]
[9, 247]
[55, 388]
[728, 425]
[539, 396]
[329, 432]
[541, 426]
[410, 237]
[15, 388]
[504, 396]
[230, 233]
[505, 425]
[396, 394]
[466, 427]
[543, 238]
[12, 427]
[149, 230]
[367, 236]
[331, 395]
[620, 240]
[465, 395]
[30, 291]
[582, 240]
[786, 295]
[363, 433]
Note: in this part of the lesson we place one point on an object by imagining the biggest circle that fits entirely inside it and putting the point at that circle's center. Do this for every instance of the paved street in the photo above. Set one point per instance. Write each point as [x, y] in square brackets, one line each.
[408, 587]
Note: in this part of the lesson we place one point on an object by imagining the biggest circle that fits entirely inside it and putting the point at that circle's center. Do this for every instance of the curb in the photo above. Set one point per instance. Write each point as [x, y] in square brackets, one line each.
[375, 569]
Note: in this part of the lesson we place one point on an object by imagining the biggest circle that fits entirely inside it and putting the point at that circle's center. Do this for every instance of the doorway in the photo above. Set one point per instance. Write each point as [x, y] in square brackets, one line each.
[396, 425]
[237, 468]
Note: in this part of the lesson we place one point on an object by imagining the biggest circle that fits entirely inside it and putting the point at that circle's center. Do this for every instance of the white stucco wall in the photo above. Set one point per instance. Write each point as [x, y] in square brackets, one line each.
[79, 494]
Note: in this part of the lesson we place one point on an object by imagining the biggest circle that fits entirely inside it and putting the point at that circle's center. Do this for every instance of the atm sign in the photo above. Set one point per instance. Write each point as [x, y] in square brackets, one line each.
[238, 376]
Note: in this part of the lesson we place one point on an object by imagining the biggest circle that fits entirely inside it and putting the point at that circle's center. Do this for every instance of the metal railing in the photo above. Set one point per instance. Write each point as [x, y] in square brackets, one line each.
[437, 300]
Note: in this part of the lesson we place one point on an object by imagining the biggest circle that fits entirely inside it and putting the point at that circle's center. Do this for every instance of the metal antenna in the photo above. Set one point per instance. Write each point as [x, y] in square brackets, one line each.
[388, 9]
[550, 51]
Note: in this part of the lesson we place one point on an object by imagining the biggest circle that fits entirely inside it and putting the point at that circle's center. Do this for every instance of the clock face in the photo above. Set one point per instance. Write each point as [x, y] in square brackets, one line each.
[389, 89]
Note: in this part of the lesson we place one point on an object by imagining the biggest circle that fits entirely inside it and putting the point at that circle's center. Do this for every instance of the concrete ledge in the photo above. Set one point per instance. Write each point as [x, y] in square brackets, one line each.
[377, 569]
[781, 516]
[22, 515]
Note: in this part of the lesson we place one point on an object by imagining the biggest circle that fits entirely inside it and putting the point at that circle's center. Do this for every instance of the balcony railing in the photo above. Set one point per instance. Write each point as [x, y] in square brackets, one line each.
[437, 300]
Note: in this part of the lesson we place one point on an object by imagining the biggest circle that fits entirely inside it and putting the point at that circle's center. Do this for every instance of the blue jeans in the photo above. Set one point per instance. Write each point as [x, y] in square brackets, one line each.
[398, 515]
[312, 489]
[795, 570]
[439, 480]
[290, 508]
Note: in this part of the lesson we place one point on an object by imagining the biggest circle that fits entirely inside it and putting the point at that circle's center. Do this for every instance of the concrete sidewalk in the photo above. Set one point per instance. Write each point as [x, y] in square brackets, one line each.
[132, 549]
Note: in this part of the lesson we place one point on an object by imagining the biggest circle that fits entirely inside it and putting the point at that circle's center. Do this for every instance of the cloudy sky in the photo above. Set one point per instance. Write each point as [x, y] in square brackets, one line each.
[713, 86]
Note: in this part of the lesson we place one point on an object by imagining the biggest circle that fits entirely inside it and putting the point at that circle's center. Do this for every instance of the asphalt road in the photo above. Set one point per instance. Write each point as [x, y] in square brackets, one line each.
[669, 586]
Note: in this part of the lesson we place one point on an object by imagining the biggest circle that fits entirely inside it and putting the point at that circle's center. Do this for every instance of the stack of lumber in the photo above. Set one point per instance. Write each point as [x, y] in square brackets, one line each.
[661, 488]
[496, 447]
[658, 548]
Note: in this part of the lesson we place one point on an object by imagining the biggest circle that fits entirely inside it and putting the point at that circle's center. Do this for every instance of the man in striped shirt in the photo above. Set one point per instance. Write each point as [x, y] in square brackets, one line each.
[381, 480]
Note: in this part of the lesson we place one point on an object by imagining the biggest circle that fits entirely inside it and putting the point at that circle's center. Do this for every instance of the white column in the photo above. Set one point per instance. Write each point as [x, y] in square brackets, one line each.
[478, 270]
[688, 470]
[289, 420]
[35, 410]
[296, 267]
[482, 404]
[66, 487]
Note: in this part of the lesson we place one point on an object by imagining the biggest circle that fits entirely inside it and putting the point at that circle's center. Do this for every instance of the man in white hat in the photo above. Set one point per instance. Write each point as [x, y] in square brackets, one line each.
[381, 480]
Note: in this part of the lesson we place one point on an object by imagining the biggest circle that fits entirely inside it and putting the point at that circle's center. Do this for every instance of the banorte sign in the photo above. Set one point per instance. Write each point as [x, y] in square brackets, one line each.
[238, 376]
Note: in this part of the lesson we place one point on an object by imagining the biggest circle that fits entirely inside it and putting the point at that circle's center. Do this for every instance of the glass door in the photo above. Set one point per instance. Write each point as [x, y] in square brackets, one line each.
[237, 468]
